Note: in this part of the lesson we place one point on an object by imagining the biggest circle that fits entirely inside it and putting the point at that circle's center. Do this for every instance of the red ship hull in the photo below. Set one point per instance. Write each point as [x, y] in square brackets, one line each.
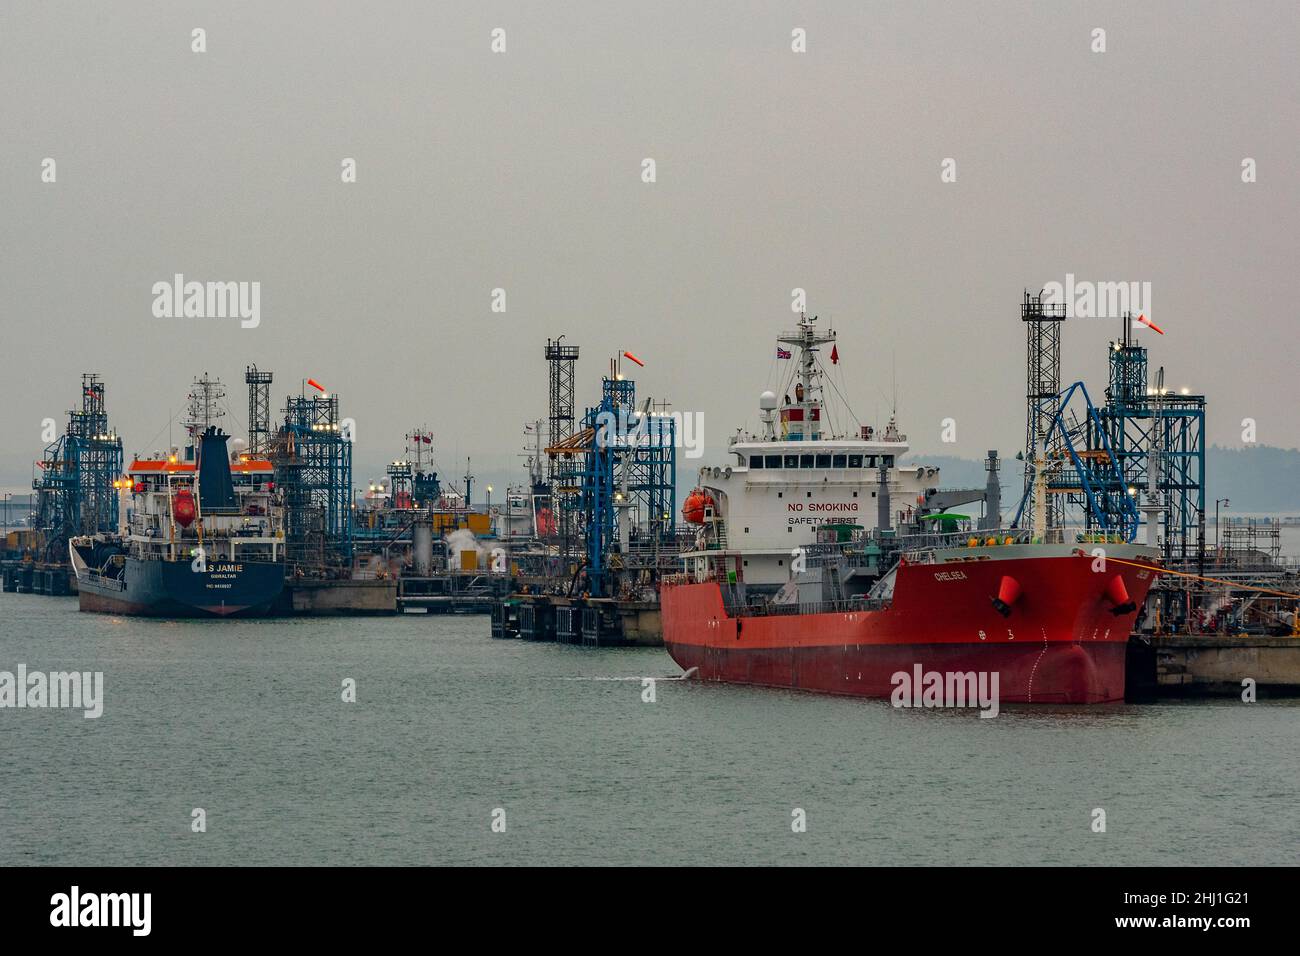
[1062, 641]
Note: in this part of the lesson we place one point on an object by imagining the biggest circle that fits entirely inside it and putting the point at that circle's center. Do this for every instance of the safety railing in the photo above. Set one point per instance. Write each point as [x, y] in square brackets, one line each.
[846, 606]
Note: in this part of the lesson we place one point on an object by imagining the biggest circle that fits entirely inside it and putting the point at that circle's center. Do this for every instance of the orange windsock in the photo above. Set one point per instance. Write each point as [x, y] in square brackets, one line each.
[629, 355]
[1149, 324]
[316, 385]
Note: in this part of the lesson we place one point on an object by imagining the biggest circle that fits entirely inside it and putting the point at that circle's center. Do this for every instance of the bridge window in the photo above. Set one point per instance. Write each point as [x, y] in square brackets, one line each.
[823, 461]
[805, 461]
[772, 461]
[792, 461]
[839, 461]
[889, 461]
[855, 461]
[755, 461]
[871, 461]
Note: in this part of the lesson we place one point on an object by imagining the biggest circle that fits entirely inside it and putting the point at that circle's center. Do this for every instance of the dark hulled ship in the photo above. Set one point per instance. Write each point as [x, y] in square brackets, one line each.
[198, 539]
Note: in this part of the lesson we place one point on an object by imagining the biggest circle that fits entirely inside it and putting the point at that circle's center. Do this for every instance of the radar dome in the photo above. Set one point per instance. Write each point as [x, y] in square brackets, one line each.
[767, 401]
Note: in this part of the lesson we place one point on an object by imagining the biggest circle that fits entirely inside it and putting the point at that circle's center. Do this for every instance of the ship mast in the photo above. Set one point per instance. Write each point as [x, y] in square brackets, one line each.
[203, 409]
[806, 425]
[533, 452]
[416, 439]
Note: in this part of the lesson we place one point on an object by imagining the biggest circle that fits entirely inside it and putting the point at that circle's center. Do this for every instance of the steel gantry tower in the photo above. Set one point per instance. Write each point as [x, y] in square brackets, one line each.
[1042, 395]
[628, 482]
[561, 473]
[1158, 437]
[313, 472]
[259, 410]
[561, 360]
[75, 491]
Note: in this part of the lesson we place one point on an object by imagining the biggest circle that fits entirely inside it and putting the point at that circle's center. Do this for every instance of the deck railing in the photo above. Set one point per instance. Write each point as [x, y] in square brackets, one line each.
[846, 606]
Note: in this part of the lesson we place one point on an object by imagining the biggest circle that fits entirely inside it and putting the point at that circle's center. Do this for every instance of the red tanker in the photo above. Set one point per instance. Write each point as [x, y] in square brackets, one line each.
[1052, 621]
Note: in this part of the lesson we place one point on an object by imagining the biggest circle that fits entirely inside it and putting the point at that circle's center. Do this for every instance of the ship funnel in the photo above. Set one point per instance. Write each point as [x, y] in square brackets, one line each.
[216, 490]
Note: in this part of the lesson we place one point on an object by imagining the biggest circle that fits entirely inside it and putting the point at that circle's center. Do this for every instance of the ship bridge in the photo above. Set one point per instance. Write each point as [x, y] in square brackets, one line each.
[798, 476]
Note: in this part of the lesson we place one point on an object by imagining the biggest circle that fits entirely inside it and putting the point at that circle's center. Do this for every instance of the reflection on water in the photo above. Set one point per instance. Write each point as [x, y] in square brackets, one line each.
[245, 719]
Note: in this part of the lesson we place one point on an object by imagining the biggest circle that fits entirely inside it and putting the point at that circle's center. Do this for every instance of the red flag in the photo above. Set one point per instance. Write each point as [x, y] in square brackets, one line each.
[1149, 324]
[835, 355]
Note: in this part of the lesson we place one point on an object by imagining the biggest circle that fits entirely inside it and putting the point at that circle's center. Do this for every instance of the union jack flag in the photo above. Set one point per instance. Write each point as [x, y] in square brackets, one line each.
[782, 353]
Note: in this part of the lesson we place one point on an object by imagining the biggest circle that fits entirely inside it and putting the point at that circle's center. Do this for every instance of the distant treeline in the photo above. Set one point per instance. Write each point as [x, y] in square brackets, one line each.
[1258, 478]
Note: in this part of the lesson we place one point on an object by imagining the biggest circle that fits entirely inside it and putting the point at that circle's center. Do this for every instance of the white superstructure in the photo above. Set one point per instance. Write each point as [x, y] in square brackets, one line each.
[797, 476]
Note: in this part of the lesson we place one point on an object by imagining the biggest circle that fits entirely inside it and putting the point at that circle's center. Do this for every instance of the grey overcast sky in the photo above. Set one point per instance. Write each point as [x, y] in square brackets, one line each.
[522, 170]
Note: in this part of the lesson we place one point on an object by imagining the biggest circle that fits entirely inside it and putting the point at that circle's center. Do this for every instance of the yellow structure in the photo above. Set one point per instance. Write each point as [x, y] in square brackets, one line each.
[445, 522]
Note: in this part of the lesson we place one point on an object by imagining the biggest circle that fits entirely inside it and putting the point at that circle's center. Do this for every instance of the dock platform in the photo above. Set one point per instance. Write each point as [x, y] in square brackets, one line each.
[594, 622]
[26, 577]
[1213, 665]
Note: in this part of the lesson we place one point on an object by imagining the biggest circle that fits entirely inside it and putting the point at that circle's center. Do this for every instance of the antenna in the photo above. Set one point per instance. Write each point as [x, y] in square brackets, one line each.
[893, 374]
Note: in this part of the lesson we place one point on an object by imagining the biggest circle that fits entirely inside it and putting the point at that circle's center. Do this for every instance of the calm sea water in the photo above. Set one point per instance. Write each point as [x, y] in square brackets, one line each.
[246, 720]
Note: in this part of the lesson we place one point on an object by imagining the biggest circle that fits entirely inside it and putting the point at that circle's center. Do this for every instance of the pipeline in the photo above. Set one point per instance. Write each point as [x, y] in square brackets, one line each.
[1200, 577]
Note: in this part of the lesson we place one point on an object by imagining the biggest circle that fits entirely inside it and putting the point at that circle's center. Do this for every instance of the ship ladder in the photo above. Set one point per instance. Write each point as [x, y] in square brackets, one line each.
[836, 585]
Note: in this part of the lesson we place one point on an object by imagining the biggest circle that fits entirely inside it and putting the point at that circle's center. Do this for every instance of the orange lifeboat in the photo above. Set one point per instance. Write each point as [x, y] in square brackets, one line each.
[183, 510]
[696, 503]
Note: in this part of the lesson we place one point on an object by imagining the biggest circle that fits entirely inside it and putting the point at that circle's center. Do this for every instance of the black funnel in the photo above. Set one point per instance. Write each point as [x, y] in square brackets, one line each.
[216, 490]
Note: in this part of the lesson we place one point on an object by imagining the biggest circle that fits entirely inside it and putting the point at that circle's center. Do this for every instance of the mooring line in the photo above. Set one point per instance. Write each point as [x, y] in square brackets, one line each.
[1201, 577]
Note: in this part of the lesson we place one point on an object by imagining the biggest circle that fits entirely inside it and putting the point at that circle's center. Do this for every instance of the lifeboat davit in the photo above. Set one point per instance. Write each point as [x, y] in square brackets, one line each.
[183, 508]
[696, 503]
